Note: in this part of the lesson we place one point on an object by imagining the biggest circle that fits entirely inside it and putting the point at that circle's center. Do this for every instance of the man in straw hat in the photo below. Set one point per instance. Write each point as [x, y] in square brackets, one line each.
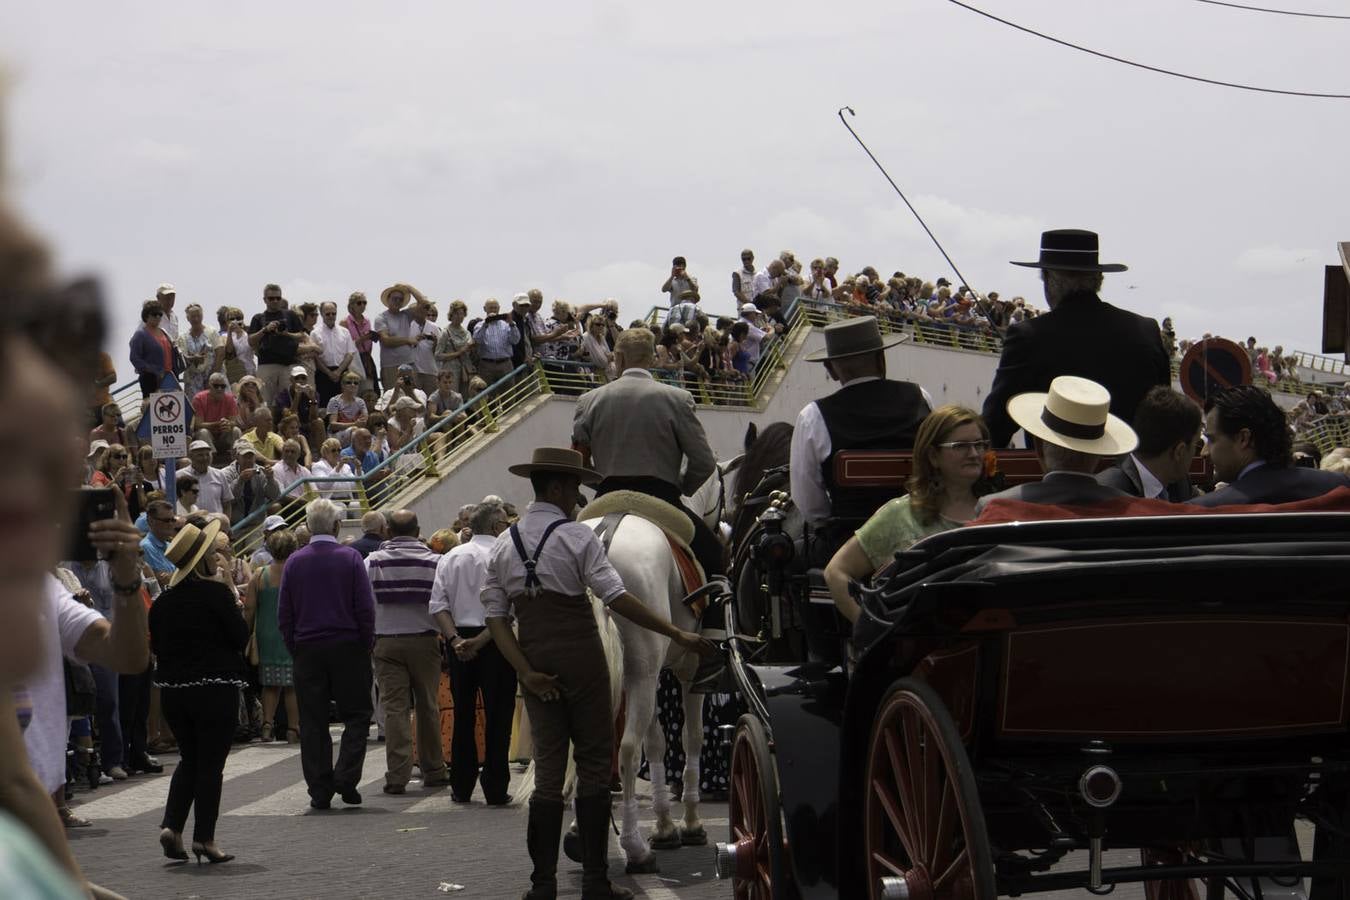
[393, 329]
[1072, 429]
[1081, 335]
[869, 412]
[540, 570]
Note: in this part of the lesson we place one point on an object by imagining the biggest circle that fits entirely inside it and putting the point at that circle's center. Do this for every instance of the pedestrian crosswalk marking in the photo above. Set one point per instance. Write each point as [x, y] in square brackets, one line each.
[148, 796]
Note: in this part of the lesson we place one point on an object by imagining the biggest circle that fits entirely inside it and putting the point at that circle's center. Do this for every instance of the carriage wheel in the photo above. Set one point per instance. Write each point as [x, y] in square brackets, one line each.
[756, 824]
[925, 835]
[1169, 888]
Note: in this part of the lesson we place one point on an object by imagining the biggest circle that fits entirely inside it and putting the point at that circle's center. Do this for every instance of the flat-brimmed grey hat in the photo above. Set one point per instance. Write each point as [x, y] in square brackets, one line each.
[853, 337]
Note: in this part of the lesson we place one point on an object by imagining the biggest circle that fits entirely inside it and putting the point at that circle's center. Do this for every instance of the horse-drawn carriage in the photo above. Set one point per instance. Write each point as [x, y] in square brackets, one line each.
[1020, 699]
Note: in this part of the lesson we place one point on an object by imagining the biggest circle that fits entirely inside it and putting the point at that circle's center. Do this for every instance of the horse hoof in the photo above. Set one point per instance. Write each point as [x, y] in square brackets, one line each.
[646, 866]
[672, 841]
[572, 845]
[694, 837]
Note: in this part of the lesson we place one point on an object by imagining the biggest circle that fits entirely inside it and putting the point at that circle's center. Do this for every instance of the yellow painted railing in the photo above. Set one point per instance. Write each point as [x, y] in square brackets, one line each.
[921, 330]
[1327, 433]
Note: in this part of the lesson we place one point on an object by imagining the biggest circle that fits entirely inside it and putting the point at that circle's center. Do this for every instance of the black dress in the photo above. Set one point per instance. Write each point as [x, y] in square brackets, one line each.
[197, 633]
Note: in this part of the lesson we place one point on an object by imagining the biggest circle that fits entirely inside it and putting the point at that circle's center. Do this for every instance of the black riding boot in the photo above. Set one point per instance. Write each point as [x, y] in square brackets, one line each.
[541, 837]
[593, 826]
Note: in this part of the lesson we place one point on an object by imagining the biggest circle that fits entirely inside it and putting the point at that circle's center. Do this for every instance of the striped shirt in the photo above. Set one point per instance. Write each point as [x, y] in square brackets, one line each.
[402, 572]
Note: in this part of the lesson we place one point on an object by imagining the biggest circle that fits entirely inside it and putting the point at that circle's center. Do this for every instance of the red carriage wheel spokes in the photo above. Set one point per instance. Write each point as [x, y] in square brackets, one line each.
[922, 813]
[756, 822]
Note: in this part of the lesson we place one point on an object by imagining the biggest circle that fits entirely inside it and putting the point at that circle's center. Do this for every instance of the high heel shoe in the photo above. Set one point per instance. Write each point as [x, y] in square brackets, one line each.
[199, 850]
[266, 736]
[172, 848]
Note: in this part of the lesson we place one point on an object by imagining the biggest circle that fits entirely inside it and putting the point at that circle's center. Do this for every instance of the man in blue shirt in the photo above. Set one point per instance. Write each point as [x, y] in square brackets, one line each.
[361, 453]
[496, 336]
[163, 526]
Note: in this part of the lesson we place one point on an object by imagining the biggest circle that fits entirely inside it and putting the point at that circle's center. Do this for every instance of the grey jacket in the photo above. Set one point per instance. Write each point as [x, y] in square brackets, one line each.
[636, 427]
[1056, 489]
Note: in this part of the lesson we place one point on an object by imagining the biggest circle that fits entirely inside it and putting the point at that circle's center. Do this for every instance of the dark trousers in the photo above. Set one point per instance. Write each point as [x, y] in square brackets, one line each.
[149, 382]
[336, 671]
[325, 387]
[707, 548]
[111, 749]
[202, 720]
[490, 673]
[133, 707]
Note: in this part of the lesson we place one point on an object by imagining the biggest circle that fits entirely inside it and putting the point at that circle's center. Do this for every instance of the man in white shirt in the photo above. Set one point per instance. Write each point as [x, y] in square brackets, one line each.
[753, 344]
[425, 333]
[214, 489]
[337, 353]
[476, 662]
[166, 295]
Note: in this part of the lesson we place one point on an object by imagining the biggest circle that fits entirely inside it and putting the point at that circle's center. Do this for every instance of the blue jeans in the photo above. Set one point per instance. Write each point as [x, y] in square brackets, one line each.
[111, 748]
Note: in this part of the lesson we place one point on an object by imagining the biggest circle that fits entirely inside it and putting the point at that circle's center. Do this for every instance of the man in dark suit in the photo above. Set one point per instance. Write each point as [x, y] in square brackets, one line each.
[1072, 430]
[1168, 426]
[1247, 440]
[1081, 335]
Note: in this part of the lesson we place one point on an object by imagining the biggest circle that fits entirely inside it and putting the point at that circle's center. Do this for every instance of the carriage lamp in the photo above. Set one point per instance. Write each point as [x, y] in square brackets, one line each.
[1099, 786]
[774, 546]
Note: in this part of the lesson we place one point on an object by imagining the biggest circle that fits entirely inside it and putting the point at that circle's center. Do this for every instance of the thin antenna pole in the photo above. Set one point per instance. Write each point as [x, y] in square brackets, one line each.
[878, 164]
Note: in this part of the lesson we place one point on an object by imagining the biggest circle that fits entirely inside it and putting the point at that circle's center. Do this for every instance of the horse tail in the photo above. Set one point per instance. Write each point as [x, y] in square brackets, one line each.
[612, 643]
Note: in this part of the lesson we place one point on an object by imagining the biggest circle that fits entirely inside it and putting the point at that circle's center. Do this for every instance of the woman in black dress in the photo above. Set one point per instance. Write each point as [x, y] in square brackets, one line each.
[197, 633]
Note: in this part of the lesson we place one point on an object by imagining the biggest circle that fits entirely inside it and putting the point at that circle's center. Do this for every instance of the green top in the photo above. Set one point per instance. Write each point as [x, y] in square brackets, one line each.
[895, 527]
[26, 871]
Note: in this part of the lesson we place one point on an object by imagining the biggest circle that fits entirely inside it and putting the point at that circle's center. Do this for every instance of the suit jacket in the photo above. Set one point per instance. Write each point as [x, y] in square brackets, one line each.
[1126, 478]
[1056, 489]
[1274, 484]
[636, 427]
[1082, 336]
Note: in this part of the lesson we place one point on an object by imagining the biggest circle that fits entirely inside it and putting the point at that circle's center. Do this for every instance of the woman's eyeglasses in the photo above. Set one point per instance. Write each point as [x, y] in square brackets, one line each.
[965, 446]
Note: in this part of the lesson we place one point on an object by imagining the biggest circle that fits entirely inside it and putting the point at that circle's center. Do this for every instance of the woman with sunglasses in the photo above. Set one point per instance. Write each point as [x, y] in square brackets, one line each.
[153, 353]
[110, 467]
[147, 478]
[948, 470]
[239, 358]
[360, 329]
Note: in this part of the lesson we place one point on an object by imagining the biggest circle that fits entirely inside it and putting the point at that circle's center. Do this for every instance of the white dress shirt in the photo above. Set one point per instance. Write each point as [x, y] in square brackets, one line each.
[1149, 484]
[810, 447]
[335, 343]
[459, 580]
[213, 489]
[424, 351]
[572, 561]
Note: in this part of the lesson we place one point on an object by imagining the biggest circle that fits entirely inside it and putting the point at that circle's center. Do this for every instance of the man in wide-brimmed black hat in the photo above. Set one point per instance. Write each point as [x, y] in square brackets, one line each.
[870, 412]
[1081, 335]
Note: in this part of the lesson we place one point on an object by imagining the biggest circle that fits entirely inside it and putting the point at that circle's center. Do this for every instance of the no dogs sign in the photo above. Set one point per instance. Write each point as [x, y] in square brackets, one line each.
[168, 414]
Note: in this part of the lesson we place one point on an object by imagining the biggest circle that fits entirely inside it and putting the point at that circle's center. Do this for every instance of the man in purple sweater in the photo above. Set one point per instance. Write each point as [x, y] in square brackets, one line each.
[326, 612]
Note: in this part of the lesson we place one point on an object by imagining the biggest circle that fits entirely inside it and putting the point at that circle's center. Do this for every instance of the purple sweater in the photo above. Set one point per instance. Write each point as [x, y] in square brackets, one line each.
[325, 596]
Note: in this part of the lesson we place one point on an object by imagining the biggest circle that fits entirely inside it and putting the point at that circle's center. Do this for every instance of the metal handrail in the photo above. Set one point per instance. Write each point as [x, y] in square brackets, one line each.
[1319, 363]
[922, 330]
[1328, 432]
[387, 480]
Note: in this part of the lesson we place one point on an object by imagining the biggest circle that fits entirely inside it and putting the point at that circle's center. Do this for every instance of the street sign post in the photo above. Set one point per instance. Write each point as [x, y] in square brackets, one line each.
[168, 424]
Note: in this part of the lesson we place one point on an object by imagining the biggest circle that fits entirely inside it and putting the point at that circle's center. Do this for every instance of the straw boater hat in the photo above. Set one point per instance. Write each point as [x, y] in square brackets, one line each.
[403, 288]
[1075, 414]
[556, 459]
[189, 546]
[853, 337]
[1070, 250]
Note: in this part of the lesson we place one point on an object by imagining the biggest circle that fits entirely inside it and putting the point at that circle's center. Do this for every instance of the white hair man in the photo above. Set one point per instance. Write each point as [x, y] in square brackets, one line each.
[326, 614]
[477, 664]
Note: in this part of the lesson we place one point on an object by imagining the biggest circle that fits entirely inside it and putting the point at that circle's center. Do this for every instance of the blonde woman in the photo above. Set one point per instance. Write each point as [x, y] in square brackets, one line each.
[331, 465]
[948, 465]
[275, 669]
[237, 357]
[454, 346]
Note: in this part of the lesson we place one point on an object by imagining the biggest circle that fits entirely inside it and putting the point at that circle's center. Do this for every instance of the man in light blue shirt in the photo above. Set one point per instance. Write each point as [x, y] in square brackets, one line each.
[163, 526]
[496, 335]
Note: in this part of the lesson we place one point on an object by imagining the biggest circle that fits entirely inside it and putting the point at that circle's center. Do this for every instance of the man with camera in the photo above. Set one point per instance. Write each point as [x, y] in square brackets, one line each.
[404, 385]
[496, 336]
[275, 335]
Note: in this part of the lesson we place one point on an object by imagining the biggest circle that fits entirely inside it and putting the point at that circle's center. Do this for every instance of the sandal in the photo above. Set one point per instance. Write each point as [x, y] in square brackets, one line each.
[70, 820]
[292, 735]
[267, 733]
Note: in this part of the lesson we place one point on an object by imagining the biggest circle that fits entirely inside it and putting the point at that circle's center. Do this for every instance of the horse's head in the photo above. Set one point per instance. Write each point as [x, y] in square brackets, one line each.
[709, 502]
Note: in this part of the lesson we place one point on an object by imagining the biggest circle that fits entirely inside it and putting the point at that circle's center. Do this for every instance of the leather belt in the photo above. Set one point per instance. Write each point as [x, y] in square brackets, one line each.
[430, 631]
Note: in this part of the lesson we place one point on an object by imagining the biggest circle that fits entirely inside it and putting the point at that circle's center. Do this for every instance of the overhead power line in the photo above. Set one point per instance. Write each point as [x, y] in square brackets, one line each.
[1278, 12]
[1139, 65]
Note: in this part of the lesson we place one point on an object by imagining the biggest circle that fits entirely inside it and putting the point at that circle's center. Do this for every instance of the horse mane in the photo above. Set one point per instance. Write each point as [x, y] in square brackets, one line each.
[765, 450]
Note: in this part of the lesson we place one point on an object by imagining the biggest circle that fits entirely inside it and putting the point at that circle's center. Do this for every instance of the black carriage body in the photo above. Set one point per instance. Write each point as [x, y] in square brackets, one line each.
[1203, 659]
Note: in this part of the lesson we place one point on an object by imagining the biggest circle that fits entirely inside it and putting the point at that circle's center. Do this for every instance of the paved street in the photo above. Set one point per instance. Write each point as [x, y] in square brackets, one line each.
[390, 847]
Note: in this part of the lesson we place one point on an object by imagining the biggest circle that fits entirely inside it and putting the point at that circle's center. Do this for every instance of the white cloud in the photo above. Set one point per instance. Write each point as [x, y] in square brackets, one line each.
[160, 154]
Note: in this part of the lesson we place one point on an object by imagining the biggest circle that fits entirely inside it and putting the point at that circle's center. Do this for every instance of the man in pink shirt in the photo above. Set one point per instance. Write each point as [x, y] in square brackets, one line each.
[214, 412]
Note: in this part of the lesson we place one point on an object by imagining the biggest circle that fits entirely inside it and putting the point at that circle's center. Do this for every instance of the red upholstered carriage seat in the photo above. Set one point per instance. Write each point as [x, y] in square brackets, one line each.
[890, 469]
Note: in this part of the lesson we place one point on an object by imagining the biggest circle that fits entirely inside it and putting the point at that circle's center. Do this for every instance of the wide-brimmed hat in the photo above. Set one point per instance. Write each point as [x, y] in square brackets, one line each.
[189, 546]
[1070, 250]
[1074, 414]
[403, 288]
[853, 337]
[556, 459]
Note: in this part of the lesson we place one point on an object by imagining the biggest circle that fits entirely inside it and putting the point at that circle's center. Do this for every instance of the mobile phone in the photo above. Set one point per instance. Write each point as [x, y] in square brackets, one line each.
[91, 505]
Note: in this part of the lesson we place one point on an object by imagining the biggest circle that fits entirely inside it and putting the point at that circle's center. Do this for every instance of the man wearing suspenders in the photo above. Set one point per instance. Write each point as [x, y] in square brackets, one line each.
[541, 569]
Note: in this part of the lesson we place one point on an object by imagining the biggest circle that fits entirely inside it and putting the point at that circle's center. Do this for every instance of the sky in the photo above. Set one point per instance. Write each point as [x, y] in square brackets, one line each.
[478, 150]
